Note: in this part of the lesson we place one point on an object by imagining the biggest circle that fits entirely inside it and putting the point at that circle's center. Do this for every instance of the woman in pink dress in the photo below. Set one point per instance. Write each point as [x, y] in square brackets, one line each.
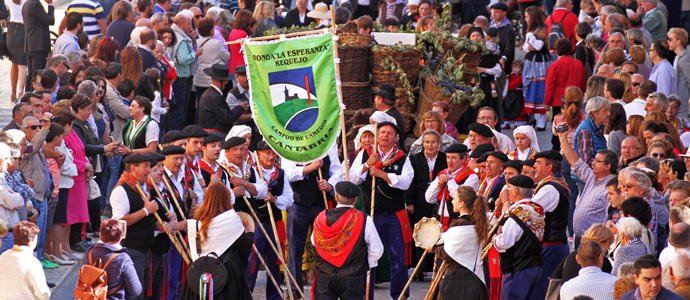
[77, 207]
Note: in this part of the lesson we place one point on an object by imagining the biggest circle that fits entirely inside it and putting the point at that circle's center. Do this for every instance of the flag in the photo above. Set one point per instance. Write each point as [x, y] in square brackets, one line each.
[294, 97]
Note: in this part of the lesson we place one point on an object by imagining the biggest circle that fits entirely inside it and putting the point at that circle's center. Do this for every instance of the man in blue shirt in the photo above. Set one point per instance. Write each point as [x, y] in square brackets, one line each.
[662, 72]
[68, 40]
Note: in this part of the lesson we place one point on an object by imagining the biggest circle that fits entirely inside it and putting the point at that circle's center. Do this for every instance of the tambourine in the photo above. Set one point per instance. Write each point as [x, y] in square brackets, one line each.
[427, 232]
[245, 216]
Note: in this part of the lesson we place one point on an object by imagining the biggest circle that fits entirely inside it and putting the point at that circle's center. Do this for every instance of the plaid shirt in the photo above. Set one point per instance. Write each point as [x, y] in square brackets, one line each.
[585, 144]
[390, 10]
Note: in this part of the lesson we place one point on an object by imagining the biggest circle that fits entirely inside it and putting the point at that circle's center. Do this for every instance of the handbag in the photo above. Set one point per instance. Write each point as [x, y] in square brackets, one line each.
[553, 292]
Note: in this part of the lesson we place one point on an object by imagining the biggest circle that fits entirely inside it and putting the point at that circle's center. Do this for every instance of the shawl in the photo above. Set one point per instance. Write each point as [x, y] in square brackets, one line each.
[460, 243]
[223, 231]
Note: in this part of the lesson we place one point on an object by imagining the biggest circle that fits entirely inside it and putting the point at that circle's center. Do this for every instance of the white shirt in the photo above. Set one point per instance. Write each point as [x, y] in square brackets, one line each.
[177, 184]
[666, 255]
[157, 107]
[295, 172]
[547, 197]
[401, 182]
[371, 237]
[259, 185]
[152, 130]
[511, 232]
[591, 282]
[15, 11]
[286, 198]
[433, 190]
[635, 107]
[227, 184]
[119, 202]
[23, 276]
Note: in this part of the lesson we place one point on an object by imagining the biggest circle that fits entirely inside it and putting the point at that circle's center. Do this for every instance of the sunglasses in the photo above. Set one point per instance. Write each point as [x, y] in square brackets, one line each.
[655, 155]
[34, 127]
[635, 84]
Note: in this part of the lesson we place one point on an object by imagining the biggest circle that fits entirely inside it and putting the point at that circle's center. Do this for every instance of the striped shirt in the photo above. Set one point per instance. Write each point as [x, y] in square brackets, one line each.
[91, 11]
[591, 282]
[592, 204]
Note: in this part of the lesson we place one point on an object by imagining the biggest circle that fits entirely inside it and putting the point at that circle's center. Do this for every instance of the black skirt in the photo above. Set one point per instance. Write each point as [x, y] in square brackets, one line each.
[15, 43]
[60, 216]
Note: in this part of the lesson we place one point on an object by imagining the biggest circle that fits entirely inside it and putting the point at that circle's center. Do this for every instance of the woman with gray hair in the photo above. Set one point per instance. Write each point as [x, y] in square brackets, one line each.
[629, 233]
[589, 136]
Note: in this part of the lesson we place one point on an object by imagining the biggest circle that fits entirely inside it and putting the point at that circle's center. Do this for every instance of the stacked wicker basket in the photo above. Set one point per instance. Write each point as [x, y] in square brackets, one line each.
[353, 50]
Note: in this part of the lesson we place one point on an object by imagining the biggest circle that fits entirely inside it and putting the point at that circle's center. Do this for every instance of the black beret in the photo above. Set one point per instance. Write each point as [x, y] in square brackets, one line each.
[212, 138]
[155, 158]
[529, 162]
[549, 154]
[498, 154]
[234, 141]
[136, 158]
[173, 135]
[379, 125]
[481, 129]
[522, 181]
[482, 158]
[481, 149]
[173, 150]
[263, 145]
[515, 164]
[499, 5]
[347, 189]
[194, 131]
[492, 32]
[456, 148]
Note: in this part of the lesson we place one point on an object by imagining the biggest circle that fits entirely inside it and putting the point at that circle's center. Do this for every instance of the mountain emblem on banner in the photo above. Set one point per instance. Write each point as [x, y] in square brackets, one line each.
[293, 97]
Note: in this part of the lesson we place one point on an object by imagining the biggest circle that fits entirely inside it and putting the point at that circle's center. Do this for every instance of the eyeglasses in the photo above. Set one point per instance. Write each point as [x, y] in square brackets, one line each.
[655, 155]
[629, 147]
[485, 118]
[431, 121]
[674, 107]
[629, 186]
[34, 127]
[197, 16]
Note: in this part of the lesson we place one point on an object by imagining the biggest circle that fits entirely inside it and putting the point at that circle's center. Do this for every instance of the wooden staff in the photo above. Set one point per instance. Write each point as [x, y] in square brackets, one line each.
[346, 163]
[275, 37]
[175, 242]
[273, 225]
[373, 198]
[165, 207]
[436, 281]
[323, 193]
[261, 259]
[419, 264]
[494, 229]
[172, 195]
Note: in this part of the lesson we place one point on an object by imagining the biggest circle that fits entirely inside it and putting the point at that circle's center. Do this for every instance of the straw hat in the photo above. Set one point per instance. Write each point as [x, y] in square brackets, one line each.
[320, 12]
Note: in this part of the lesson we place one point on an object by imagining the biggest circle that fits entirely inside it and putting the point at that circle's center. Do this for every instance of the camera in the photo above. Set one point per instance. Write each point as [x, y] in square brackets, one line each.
[562, 128]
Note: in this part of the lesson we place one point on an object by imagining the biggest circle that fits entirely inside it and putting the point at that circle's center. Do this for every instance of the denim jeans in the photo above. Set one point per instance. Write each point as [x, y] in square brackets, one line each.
[42, 207]
[114, 166]
[7, 242]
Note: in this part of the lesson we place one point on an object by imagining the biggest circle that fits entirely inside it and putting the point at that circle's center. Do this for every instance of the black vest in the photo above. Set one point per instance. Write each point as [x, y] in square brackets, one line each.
[240, 205]
[139, 234]
[556, 222]
[161, 243]
[388, 199]
[357, 262]
[140, 139]
[276, 189]
[307, 190]
[225, 177]
[525, 254]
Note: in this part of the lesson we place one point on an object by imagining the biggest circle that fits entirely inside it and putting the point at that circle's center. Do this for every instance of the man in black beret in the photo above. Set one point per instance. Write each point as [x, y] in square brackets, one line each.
[353, 236]
[528, 168]
[493, 182]
[185, 188]
[475, 156]
[384, 101]
[174, 137]
[479, 134]
[391, 169]
[553, 195]
[208, 164]
[449, 180]
[244, 179]
[280, 196]
[195, 140]
[512, 168]
[518, 241]
[128, 205]
[488, 116]
[506, 40]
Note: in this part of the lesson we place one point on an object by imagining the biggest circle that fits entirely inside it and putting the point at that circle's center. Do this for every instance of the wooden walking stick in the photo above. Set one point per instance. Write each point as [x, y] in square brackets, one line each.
[170, 236]
[165, 207]
[172, 195]
[323, 193]
[273, 226]
[373, 198]
[436, 281]
[261, 259]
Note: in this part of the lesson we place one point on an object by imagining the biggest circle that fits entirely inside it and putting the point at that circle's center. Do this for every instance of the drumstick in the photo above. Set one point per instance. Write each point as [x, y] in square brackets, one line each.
[373, 198]
[407, 285]
[268, 272]
[437, 280]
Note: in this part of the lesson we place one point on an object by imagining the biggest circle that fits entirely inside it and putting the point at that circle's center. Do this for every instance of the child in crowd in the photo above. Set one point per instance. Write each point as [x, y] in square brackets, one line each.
[159, 106]
[514, 99]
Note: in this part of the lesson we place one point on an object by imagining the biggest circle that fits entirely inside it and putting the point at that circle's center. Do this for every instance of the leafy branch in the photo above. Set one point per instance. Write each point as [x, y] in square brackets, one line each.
[391, 65]
[449, 77]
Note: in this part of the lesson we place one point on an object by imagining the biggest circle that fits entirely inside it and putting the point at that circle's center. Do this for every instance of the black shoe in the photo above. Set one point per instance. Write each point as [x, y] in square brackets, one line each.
[532, 123]
[541, 128]
[50, 284]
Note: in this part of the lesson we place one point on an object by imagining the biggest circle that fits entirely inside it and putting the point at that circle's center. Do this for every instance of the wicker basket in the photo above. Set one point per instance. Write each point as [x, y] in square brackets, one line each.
[353, 39]
[356, 95]
[431, 93]
[471, 59]
[406, 109]
[409, 62]
[354, 63]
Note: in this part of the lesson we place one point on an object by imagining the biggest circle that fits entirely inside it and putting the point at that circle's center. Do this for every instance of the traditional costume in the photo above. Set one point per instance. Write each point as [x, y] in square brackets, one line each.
[533, 147]
[209, 167]
[248, 173]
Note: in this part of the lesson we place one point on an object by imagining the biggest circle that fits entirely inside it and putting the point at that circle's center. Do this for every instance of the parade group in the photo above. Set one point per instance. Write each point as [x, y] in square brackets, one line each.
[133, 149]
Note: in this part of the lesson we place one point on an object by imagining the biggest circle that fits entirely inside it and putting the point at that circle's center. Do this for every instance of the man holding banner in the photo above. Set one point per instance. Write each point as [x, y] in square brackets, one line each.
[393, 173]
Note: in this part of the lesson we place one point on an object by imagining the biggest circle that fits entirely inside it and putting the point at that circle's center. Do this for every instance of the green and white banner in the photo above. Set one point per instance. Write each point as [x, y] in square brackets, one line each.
[294, 97]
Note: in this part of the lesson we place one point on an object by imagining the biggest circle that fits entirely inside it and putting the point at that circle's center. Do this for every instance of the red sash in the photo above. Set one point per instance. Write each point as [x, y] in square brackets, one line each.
[462, 175]
[334, 243]
[406, 233]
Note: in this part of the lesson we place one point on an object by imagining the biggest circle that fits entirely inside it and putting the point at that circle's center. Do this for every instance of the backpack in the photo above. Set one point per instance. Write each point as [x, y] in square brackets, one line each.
[92, 283]
[556, 31]
[207, 274]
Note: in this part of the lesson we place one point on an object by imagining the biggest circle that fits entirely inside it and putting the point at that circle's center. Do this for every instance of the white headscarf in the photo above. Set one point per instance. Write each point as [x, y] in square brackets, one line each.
[238, 131]
[531, 135]
[362, 130]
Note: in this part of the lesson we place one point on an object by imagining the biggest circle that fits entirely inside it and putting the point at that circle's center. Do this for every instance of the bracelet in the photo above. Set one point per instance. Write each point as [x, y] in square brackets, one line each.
[146, 211]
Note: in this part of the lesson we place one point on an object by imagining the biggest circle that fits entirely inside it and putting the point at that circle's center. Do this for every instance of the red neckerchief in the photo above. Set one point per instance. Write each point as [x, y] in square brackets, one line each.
[191, 164]
[274, 176]
[249, 159]
[335, 243]
[207, 167]
[462, 175]
[127, 179]
[390, 159]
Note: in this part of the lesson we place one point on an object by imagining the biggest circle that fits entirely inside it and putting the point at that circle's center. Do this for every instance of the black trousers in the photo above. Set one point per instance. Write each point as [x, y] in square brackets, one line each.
[344, 288]
[35, 60]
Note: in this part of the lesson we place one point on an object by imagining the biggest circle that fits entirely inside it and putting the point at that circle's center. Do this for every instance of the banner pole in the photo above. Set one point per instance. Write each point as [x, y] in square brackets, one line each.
[275, 37]
[346, 163]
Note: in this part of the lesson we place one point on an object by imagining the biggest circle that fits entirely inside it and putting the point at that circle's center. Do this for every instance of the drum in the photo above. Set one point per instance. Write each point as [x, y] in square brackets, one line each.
[427, 232]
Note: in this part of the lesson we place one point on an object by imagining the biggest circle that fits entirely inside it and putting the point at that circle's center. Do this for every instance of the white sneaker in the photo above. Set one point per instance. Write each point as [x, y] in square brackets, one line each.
[73, 256]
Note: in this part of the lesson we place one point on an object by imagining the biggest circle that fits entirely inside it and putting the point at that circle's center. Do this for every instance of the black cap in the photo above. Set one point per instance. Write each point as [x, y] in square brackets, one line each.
[173, 135]
[499, 5]
[347, 189]
[173, 150]
[155, 158]
[481, 149]
[500, 155]
[386, 91]
[241, 70]
[492, 32]
[194, 131]
[212, 138]
[529, 162]
[456, 148]
[234, 141]
[379, 125]
[515, 164]
[522, 181]
[482, 158]
[549, 154]
[263, 145]
[481, 129]
[136, 158]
